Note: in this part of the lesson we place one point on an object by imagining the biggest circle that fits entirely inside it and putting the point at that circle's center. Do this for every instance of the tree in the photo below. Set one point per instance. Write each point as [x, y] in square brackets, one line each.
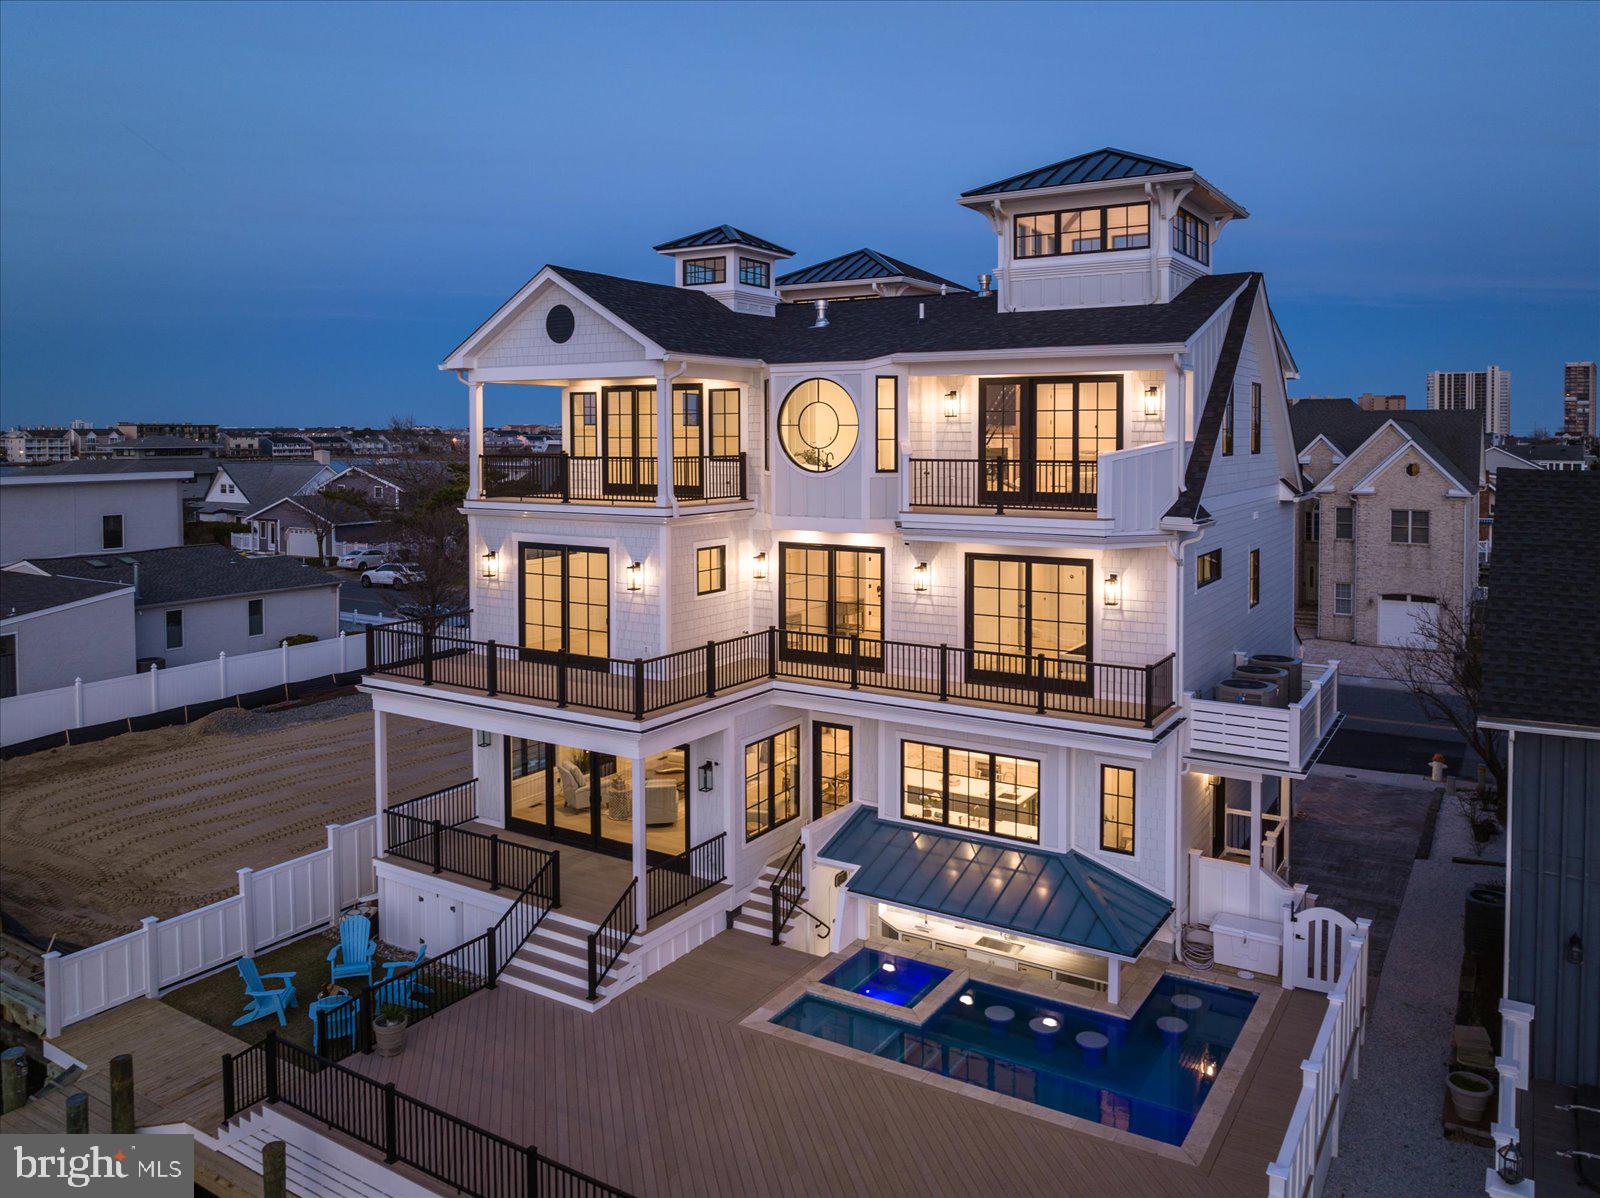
[1443, 670]
[326, 510]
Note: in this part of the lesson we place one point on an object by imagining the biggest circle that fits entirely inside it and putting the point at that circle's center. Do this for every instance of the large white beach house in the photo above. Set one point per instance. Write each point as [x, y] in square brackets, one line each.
[861, 603]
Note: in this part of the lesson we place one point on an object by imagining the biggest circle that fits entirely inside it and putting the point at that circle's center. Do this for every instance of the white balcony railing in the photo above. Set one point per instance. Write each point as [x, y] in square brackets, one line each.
[1284, 737]
[1137, 486]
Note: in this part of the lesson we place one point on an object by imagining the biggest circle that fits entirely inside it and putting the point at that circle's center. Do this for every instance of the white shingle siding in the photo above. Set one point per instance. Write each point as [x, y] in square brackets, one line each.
[1153, 807]
[524, 342]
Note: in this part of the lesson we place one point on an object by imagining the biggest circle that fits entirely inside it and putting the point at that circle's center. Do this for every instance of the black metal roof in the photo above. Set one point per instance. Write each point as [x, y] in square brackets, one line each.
[188, 572]
[863, 265]
[1541, 644]
[723, 235]
[1453, 439]
[1097, 166]
[22, 593]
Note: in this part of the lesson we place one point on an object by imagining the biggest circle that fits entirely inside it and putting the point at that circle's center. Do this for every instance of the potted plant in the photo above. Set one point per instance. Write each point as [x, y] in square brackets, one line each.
[1469, 1094]
[389, 1030]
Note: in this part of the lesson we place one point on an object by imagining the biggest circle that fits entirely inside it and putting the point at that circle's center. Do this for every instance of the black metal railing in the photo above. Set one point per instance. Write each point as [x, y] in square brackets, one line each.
[788, 888]
[1000, 483]
[676, 880]
[403, 1129]
[1047, 684]
[448, 848]
[449, 806]
[610, 939]
[592, 479]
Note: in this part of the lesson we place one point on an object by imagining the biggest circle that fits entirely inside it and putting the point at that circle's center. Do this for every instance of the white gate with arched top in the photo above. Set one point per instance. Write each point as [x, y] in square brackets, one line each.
[1316, 944]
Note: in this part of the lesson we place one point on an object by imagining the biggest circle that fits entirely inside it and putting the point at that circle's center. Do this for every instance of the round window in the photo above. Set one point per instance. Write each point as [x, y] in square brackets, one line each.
[817, 425]
[559, 323]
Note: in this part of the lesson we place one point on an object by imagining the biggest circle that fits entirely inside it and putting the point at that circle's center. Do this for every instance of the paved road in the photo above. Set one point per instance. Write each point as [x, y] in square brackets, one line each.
[1386, 729]
[372, 601]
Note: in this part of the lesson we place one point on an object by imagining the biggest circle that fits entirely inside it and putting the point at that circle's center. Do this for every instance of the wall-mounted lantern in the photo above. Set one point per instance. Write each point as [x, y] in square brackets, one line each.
[921, 577]
[1152, 400]
[491, 561]
[707, 775]
[1575, 950]
[633, 576]
[1111, 590]
[952, 405]
[1510, 1169]
[758, 566]
[483, 739]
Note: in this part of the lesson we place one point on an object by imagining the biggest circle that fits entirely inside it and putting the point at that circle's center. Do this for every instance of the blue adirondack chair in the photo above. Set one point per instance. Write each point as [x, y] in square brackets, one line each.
[338, 1013]
[404, 992]
[262, 1001]
[352, 956]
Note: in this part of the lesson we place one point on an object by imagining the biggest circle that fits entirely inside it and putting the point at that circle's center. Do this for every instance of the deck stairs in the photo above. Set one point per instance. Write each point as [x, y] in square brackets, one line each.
[755, 914]
[554, 963]
[310, 1175]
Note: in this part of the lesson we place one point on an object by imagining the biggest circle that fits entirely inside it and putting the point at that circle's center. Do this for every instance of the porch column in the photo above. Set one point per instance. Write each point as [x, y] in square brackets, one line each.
[640, 864]
[1255, 845]
[666, 496]
[380, 773]
[1287, 797]
[474, 440]
[1113, 981]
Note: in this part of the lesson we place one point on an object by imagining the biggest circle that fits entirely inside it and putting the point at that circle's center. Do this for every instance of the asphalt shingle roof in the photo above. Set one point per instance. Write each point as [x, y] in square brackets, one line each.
[1541, 645]
[22, 593]
[862, 265]
[1453, 439]
[1097, 166]
[188, 572]
[110, 466]
[264, 482]
[723, 235]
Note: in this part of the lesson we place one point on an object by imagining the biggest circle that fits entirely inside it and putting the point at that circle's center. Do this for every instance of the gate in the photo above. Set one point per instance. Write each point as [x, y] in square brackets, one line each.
[1316, 948]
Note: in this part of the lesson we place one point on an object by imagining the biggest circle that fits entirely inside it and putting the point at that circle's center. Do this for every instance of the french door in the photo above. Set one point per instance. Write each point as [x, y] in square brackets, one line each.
[1040, 440]
[566, 602]
[832, 759]
[628, 431]
[688, 442]
[830, 604]
[1028, 619]
[586, 799]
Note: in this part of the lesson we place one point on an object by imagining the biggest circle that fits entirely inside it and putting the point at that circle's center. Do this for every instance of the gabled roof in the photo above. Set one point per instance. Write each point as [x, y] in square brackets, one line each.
[23, 593]
[1065, 897]
[723, 235]
[271, 479]
[1453, 439]
[187, 572]
[862, 265]
[1097, 166]
[1541, 644]
[324, 508]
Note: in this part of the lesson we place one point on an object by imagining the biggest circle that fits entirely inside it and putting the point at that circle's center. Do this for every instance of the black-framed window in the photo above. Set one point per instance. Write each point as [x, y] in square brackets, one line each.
[1207, 568]
[175, 628]
[830, 598]
[990, 793]
[771, 782]
[111, 532]
[832, 765]
[1022, 608]
[766, 424]
[1255, 417]
[565, 600]
[1116, 809]
[8, 666]
[585, 432]
[710, 569]
[888, 440]
[754, 273]
[1227, 427]
[688, 425]
[1255, 577]
[1344, 523]
[1408, 526]
[697, 272]
[725, 437]
[1082, 231]
[255, 617]
[1191, 237]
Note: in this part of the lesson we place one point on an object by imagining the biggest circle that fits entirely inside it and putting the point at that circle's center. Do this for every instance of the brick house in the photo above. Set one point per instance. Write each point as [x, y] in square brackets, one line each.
[1388, 530]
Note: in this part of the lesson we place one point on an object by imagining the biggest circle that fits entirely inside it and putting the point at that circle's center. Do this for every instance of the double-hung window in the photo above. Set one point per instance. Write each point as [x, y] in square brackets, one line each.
[771, 782]
[175, 628]
[710, 569]
[755, 273]
[255, 617]
[1116, 809]
[959, 788]
[697, 272]
[1408, 526]
[1343, 601]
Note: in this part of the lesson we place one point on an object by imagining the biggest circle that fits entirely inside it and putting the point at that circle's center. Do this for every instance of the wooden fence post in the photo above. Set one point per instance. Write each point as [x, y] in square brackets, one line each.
[152, 957]
[14, 1076]
[122, 1095]
[247, 911]
[155, 688]
[52, 994]
[78, 1114]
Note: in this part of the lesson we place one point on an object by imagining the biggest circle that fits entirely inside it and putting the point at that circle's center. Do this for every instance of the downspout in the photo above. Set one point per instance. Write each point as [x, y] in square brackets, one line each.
[1355, 559]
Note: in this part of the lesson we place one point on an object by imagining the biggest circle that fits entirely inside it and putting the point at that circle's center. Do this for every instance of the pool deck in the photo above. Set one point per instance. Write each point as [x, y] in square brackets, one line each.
[665, 1092]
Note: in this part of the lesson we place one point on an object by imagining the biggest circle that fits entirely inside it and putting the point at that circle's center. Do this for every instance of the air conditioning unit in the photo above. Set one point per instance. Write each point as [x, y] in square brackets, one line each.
[1276, 678]
[1246, 690]
[1293, 665]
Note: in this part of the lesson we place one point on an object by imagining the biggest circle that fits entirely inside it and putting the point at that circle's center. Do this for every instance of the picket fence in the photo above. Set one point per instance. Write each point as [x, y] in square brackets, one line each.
[273, 904]
[89, 704]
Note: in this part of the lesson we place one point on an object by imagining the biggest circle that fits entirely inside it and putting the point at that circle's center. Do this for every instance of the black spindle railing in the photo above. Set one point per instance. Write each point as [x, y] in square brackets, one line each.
[678, 879]
[995, 484]
[788, 888]
[611, 938]
[576, 478]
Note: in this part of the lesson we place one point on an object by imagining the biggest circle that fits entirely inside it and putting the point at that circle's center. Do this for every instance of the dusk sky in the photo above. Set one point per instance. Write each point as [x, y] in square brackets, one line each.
[290, 214]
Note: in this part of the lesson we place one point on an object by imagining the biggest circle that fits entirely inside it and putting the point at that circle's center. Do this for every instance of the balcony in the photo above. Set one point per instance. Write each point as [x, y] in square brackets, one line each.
[569, 478]
[643, 687]
[1285, 738]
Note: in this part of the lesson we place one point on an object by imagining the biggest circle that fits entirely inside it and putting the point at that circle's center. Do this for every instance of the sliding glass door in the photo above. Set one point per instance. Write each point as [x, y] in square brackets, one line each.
[830, 602]
[1028, 618]
[586, 799]
[1040, 440]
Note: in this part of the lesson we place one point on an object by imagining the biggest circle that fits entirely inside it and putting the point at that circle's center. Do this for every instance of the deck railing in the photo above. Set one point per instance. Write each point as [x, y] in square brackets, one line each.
[405, 1130]
[636, 688]
[576, 478]
[995, 484]
[431, 839]
[675, 881]
[608, 941]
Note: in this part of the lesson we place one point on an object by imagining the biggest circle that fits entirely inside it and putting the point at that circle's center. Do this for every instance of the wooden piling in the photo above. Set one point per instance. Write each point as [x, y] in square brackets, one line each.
[274, 1169]
[14, 1072]
[122, 1095]
[78, 1114]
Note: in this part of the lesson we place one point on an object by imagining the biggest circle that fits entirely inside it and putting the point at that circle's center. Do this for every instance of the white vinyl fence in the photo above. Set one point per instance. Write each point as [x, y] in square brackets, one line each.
[87, 704]
[273, 904]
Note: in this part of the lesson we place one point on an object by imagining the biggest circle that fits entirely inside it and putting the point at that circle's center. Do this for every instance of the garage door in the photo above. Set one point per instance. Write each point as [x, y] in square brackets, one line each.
[1402, 620]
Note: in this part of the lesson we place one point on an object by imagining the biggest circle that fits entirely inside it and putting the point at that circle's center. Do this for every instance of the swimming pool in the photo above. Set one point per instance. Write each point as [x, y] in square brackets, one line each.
[1147, 1075]
[904, 981]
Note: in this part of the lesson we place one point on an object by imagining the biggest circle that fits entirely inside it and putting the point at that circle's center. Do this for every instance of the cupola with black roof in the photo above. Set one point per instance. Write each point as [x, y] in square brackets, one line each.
[862, 274]
[729, 265]
[1104, 228]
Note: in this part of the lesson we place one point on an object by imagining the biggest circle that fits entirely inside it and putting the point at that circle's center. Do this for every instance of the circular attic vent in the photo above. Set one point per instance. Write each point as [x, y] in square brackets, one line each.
[560, 323]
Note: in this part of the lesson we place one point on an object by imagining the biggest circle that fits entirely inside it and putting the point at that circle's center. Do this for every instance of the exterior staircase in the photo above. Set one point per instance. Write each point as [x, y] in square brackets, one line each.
[755, 915]
[555, 963]
[310, 1174]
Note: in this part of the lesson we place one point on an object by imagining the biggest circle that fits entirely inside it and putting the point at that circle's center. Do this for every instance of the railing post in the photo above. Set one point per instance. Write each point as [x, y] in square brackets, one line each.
[272, 1066]
[638, 688]
[1149, 695]
[772, 651]
[371, 635]
[561, 679]
[427, 654]
[594, 982]
[531, 1155]
[433, 835]
[855, 662]
[711, 668]
[494, 861]
[1038, 681]
[227, 1087]
[390, 1124]
[555, 879]
[493, 957]
[944, 672]
[565, 470]
[492, 669]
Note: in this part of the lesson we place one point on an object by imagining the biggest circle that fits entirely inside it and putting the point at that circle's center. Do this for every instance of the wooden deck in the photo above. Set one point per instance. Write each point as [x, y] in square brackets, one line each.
[663, 1093]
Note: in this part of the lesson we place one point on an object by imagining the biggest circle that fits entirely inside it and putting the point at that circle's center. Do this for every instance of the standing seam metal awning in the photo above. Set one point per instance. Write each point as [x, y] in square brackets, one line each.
[1063, 897]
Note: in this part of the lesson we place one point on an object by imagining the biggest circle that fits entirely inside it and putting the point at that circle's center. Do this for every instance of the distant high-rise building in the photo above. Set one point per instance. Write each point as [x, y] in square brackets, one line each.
[1485, 391]
[1578, 406]
[1381, 403]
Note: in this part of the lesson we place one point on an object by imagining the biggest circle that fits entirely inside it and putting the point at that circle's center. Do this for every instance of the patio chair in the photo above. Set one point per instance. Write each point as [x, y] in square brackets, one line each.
[338, 1013]
[261, 1000]
[576, 789]
[404, 992]
[352, 956]
[660, 802]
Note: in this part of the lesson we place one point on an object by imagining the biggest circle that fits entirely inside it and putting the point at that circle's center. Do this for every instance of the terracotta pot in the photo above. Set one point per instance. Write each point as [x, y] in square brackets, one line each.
[1469, 1094]
[389, 1037]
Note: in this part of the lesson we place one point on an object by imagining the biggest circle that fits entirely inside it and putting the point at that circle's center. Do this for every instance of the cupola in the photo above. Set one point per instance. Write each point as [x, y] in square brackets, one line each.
[861, 274]
[728, 264]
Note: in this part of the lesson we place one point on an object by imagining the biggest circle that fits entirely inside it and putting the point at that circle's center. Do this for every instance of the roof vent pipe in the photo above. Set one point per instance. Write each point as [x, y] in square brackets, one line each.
[922, 311]
[942, 290]
[983, 285]
[822, 315]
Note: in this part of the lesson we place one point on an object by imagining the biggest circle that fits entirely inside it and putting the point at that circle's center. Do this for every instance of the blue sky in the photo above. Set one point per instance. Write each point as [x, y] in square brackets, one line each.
[289, 214]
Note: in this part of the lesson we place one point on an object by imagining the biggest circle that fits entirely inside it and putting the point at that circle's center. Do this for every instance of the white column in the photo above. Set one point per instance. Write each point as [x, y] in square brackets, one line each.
[1113, 981]
[665, 497]
[474, 440]
[1255, 845]
[380, 774]
[640, 865]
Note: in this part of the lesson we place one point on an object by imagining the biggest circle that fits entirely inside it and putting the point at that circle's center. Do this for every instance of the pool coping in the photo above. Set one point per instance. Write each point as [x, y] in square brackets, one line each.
[1208, 1120]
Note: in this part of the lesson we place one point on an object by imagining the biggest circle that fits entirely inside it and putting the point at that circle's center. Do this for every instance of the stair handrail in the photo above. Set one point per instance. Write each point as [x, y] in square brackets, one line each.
[787, 889]
[618, 927]
[547, 881]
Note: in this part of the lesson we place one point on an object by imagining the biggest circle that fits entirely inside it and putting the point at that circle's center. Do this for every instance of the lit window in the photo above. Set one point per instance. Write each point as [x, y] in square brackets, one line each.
[585, 432]
[1227, 427]
[1343, 603]
[817, 425]
[888, 444]
[711, 570]
[1255, 577]
[1207, 568]
[1082, 231]
[697, 272]
[771, 782]
[725, 423]
[960, 788]
[1116, 809]
[754, 272]
[1191, 237]
[1255, 417]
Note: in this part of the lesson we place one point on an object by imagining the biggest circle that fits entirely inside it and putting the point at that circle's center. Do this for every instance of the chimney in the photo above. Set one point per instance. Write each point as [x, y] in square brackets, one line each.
[983, 285]
[822, 315]
[325, 456]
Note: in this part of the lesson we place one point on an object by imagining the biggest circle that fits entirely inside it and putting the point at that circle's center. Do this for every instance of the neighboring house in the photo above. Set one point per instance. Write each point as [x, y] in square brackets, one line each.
[280, 445]
[55, 631]
[239, 442]
[1495, 459]
[944, 580]
[33, 445]
[1554, 455]
[89, 507]
[186, 429]
[196, 601]
[374, 488]
[241, 487]
[1389, 529]
[1541, 671]
[310, 526]
[162, 446]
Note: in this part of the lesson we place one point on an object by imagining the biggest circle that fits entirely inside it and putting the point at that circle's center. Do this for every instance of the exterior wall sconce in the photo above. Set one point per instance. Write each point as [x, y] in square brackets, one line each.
[483, 739]
[1111, 590]
[633, 576]
[707, 774]
[952, 405]
[1152, 400]
[758, 566]
[921, 577]
[1575, 950]
[1510, 1169]
[490, 562]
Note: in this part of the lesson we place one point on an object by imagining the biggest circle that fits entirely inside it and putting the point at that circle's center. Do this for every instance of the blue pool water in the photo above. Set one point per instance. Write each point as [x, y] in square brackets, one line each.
[904, 981]
[1148, 1078]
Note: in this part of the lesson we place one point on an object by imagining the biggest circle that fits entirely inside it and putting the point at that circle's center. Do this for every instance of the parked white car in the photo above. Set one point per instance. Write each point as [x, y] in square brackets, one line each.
[361, 559]
[390, 574]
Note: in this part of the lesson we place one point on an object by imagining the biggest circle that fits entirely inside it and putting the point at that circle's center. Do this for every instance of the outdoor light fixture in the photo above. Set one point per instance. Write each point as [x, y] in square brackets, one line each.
[1510, 1169]
[1050, 1021]
[707, 770]
[633, 576]
[921, 576]
[952, 405]
[966, 1000]
[1111, 591]
[1575, 950]
[1152, 400]
[483, 739]
[490, 558]
[758, 566]
[888, 967]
